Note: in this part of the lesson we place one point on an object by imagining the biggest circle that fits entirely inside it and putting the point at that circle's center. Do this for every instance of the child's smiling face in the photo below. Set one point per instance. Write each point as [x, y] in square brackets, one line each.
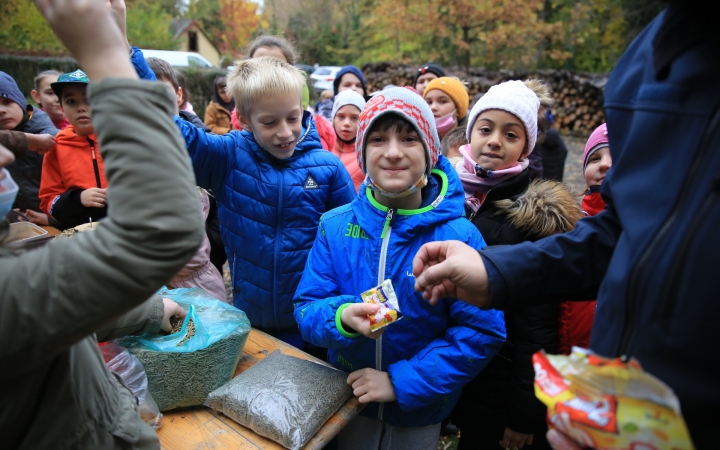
[77, 108]
[395, 159]
[498, 140]
[276, 123]
[46, 98]
[11, 114]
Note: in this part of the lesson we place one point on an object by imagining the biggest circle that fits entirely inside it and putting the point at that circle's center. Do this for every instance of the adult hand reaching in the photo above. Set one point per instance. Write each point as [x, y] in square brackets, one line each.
[170, 308]
[451, 269]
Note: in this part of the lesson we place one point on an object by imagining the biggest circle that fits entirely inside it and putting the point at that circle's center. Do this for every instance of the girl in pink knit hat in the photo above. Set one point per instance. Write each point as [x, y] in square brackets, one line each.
[596, 163]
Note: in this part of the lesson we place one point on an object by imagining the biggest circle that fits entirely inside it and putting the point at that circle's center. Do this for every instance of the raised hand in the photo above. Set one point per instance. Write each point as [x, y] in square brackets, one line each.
[89, 31]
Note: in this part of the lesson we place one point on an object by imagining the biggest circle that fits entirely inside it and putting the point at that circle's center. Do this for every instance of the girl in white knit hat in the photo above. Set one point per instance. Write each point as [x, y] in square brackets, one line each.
[345, 114]
[498, 409]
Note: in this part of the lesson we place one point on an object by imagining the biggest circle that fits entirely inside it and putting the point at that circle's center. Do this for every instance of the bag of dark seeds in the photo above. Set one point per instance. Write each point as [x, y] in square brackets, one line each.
[198, 356]
[283, 398]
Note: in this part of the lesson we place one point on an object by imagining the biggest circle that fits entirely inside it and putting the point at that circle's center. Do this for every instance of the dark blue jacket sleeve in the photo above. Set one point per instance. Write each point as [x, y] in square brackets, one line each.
[560, 267]
[141, 66]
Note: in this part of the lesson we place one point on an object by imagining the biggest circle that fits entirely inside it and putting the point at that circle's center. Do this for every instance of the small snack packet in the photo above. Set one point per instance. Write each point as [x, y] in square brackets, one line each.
[609, 404]
[389, 312]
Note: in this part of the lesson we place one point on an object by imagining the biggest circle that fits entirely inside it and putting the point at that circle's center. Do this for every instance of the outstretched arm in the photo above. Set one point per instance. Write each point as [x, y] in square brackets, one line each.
[557, 268]
[74, 287]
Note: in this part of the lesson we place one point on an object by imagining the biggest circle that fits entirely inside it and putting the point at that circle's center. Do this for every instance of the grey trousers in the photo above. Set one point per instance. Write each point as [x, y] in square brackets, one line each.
[373, 434]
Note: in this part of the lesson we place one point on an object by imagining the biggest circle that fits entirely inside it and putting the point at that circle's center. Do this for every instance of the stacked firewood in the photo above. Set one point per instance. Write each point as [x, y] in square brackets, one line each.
[578, 96]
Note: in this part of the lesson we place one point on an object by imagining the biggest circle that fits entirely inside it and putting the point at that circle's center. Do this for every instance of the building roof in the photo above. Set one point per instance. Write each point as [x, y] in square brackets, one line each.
[178, 26]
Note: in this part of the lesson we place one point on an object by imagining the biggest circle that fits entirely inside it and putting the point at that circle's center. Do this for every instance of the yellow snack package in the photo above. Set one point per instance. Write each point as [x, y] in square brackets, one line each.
[389, 312]
[609, 404]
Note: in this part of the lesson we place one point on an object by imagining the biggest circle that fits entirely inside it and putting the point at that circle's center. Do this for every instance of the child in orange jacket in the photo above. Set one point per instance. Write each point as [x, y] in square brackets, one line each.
[73, 184]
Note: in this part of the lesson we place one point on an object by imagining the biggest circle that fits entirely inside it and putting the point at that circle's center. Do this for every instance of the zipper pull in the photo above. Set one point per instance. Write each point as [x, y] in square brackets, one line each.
[388, 219]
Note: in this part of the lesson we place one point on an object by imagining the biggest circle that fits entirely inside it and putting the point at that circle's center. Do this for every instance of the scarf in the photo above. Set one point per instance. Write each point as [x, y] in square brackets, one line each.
[477, 181]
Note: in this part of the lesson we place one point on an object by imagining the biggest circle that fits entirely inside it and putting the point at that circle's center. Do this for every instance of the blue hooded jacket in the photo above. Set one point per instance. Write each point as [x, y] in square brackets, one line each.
[433, 350]
[269, 210]
[651, 257]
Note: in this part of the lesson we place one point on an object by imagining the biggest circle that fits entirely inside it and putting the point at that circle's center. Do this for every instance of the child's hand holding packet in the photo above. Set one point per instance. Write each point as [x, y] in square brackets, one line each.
[389, 312]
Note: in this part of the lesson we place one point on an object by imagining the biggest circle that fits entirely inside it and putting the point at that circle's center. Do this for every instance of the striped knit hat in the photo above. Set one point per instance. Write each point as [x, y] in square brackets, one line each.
[408, 104]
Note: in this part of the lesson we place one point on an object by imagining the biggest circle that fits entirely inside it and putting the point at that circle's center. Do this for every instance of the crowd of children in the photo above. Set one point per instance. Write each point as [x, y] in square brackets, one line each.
[315, 209]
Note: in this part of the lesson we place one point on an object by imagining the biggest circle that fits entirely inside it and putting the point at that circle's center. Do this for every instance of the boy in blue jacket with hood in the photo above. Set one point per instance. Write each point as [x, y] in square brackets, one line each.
[413, 373]
[272, 182]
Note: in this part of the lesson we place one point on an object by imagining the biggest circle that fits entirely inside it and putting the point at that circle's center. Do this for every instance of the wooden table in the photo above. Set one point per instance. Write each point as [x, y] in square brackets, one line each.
[203, 428]
[52, 231]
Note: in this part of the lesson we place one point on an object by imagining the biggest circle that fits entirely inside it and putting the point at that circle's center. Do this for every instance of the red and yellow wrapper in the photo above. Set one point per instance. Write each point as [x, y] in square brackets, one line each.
[389, 312]
[609, 404]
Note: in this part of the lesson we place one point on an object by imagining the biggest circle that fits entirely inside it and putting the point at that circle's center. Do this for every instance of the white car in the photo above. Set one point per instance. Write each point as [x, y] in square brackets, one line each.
[179, 59]
[323, 77]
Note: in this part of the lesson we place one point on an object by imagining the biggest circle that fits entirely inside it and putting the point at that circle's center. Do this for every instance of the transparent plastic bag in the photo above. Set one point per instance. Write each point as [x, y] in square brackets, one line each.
[283, 398]
[183, 369]
[132, 373]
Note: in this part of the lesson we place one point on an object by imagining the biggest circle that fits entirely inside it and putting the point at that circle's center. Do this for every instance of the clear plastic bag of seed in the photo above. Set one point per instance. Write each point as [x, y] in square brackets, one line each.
[283, 398]
[389, 312]
[185, 366]
[132, 373]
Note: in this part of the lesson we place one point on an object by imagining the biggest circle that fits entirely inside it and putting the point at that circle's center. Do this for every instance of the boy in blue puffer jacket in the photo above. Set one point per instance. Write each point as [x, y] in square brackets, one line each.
[412, 375]
[272, 182]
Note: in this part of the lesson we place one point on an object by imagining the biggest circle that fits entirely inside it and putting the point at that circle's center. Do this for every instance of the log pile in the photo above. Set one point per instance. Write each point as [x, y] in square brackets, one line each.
[578, 96]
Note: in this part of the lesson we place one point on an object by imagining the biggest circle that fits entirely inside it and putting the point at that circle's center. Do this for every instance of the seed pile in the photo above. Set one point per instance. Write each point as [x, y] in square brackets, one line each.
[176, 324]
[283, 398]
[70, 232]
[185, 379]
[190, 331]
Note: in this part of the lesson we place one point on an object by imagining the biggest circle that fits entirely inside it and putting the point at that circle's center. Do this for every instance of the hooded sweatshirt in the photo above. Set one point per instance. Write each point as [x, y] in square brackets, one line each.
[71, 167]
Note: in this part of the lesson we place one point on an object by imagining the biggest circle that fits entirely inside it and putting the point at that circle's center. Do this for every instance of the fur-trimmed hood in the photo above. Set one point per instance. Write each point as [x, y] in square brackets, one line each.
[547, 207]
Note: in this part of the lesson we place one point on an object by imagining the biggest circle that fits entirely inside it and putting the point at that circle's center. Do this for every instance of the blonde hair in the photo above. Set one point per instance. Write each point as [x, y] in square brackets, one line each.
[256, 78]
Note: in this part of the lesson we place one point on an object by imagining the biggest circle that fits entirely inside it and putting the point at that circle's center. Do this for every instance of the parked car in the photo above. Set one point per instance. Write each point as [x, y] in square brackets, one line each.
[308, 69]
[323, 77]
[180, 59]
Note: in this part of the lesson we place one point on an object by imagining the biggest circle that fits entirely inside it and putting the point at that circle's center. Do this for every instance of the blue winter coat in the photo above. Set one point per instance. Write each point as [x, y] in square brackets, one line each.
[652, 256]
[433, 350]
[269, 211]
